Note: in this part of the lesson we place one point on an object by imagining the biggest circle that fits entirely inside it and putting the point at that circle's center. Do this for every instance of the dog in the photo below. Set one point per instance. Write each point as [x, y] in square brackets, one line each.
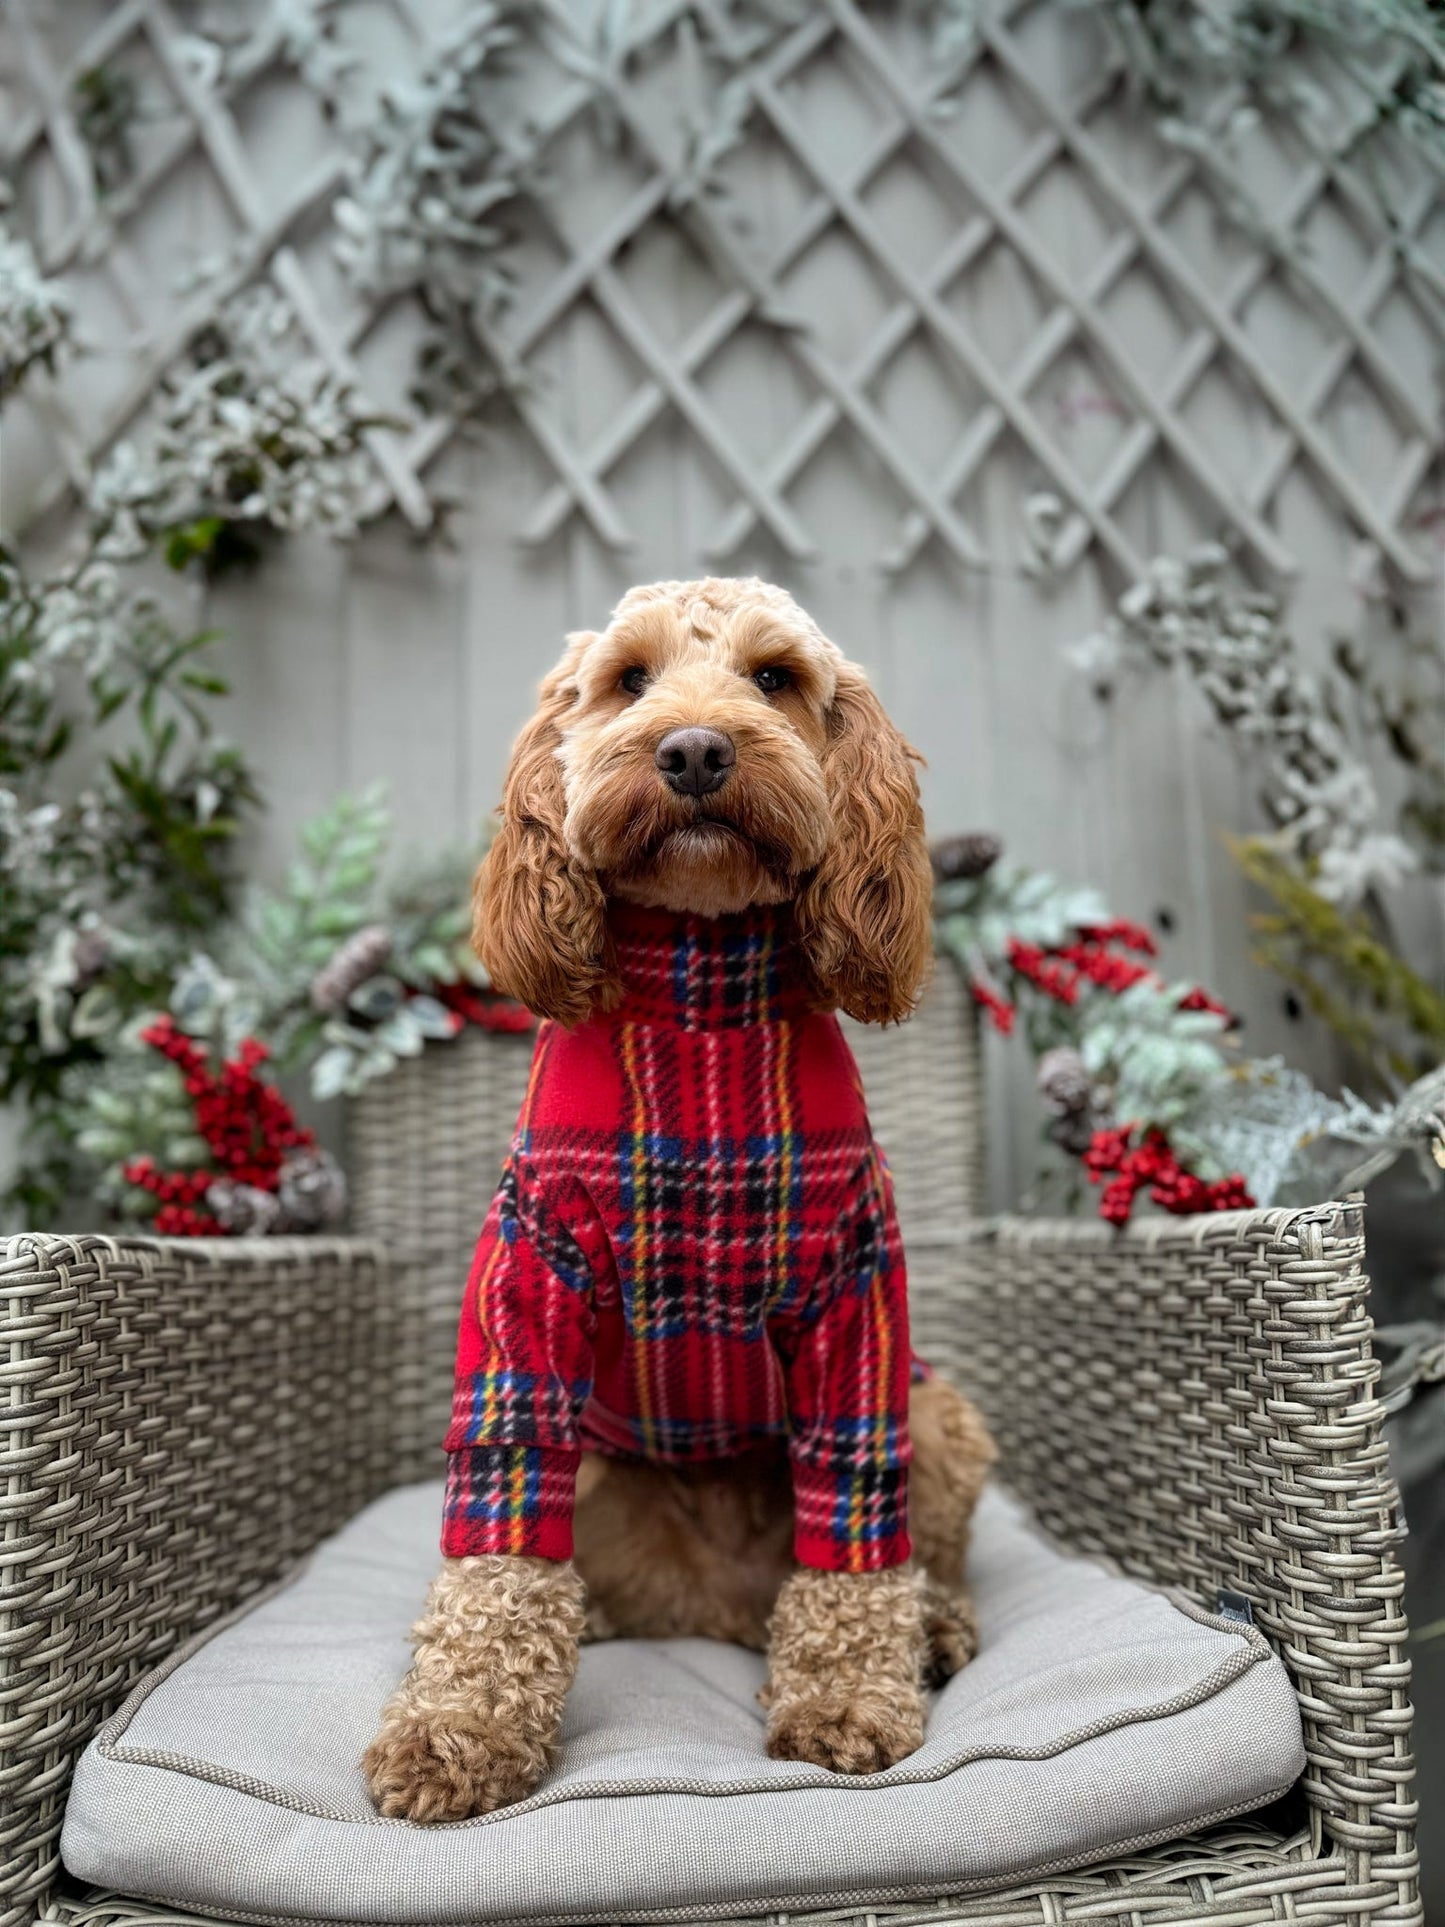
[686, 1402]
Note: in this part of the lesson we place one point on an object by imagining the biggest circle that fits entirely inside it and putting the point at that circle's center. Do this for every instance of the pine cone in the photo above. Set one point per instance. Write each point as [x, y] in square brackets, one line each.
[242, 1208]
[1074, 1133]
[312, 1190]
[360, 957]
[90, 956]
[957, 858]
[1063, 1083]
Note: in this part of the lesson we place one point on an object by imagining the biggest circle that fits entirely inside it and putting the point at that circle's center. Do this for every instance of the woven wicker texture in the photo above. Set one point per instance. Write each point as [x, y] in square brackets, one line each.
[182, 1420]
[1232, 1876]
[426, 1146]
[1195, 1399]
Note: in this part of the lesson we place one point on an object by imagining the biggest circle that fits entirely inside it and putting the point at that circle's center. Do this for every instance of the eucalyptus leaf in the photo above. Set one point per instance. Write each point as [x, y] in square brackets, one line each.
[377, 999]
[96, 1011]
[331, 1072]
[402, 1035]
[432, 1017]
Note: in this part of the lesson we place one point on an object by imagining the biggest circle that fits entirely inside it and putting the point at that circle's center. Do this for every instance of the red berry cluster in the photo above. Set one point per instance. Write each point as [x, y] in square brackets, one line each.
[1132, 936]
[1201, 1000]
[1044, 970]
[1001, 1013]
[179, 1192]
[484, 1008]
[247, 1124]
[1060, 970]
[1113, 1154]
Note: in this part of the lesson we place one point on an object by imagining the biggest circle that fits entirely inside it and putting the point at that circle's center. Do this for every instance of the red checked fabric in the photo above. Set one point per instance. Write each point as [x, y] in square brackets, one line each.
[693, 1248]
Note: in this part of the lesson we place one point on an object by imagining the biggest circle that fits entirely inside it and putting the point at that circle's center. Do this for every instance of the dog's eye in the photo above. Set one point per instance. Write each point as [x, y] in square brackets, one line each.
[633, 680]
[771, 678]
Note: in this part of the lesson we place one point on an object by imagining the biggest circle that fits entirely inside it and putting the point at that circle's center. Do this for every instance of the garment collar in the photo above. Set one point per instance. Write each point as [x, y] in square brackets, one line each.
[708, 973]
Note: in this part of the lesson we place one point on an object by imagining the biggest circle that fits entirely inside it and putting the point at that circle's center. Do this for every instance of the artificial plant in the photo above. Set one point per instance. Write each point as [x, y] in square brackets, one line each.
[120, 803]
[1144, 1086]
[1333, 850]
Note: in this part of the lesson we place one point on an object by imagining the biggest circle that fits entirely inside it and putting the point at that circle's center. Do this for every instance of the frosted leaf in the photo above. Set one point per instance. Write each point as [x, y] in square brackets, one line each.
[35, 313]
[1315, 788]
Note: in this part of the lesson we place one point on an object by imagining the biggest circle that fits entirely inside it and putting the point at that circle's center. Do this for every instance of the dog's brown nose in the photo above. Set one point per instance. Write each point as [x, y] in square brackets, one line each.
[694, 762]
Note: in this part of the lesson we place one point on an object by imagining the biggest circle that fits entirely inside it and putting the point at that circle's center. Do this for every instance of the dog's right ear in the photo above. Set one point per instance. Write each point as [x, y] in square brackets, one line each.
[538, 915]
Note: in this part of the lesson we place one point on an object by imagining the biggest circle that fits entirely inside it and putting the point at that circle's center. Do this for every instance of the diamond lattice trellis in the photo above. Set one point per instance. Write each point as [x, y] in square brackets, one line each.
[867, 226]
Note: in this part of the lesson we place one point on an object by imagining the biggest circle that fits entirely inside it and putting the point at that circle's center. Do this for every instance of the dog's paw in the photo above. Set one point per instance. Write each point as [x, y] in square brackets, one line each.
[950, 1629]
[444, 1763]
[846, 1735]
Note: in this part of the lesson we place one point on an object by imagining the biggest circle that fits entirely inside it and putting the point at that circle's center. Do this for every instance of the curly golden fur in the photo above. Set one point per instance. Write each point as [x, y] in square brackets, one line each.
[820, 808]
[473, 1725]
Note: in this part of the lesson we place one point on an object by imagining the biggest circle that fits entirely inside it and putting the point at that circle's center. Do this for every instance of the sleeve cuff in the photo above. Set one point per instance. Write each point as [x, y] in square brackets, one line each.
[851, 1522]
[509, 1499]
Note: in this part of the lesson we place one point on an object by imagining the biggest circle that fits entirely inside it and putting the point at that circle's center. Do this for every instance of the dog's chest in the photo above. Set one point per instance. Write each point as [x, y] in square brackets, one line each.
[719, 1161]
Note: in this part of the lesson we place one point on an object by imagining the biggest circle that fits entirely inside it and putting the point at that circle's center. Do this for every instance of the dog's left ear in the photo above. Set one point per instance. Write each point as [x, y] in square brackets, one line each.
[865, 915]
[539, 919]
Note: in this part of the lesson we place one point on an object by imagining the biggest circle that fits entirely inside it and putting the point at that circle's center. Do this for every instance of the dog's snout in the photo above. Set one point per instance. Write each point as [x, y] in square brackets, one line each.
[694, 762]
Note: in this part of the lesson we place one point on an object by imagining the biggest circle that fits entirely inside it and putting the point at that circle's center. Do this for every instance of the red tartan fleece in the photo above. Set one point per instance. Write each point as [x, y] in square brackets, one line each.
[693, 1248]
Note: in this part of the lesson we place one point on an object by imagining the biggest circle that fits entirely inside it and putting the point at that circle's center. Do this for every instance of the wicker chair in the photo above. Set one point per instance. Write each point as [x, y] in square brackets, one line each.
[1194, 1400]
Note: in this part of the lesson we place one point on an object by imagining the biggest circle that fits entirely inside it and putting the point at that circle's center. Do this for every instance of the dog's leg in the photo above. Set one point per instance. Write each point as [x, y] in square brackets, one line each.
[952, 1452]
[473, 1725]
[846, 1657]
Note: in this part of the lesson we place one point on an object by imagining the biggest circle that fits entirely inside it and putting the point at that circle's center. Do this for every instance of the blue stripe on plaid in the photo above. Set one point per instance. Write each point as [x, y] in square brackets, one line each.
[494, 1494]
[543, 1231]
[512, 1407]
[844, 1442]
[658, 1176]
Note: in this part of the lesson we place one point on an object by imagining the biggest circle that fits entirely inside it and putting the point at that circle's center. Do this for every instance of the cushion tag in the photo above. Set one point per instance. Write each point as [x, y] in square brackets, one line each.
[1234, 1605]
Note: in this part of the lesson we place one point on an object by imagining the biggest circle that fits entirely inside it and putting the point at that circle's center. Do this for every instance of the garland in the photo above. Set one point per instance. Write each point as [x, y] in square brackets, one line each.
[1145, 1090]
[265, 1172]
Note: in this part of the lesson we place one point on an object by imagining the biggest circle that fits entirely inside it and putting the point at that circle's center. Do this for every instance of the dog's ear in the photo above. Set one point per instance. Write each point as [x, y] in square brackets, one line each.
[538, 915]
[865, 914]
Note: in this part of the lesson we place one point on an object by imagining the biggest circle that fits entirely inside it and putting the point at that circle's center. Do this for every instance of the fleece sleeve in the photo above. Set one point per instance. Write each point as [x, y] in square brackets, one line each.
[524, 1373]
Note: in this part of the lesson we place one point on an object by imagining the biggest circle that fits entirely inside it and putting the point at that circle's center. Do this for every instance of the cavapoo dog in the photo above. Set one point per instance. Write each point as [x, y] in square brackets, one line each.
[685, 1398]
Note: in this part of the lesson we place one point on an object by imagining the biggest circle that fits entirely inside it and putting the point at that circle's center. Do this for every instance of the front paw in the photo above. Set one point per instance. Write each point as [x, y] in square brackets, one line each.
[846, 1733]
[435, 1763]
[950, 1628]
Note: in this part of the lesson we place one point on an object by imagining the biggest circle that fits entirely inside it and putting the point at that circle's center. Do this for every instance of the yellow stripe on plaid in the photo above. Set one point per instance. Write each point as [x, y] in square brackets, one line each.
[640, 1246]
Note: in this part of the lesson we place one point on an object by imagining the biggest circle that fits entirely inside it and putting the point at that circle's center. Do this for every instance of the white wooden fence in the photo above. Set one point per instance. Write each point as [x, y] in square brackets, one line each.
[951, 371]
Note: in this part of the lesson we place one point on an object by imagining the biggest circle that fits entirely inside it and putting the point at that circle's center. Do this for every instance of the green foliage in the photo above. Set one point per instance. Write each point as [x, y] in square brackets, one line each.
[107, 105]
[326, 892]
[35, 313]
[976, 916]
[1331, 67]
[1158, 1059]
[1149, 1061]
[1148, 1055]
[254, 435]
[1344, 969]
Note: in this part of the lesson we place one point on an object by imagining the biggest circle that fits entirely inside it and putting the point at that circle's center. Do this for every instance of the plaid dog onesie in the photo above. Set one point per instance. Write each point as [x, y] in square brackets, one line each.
[693, 1249]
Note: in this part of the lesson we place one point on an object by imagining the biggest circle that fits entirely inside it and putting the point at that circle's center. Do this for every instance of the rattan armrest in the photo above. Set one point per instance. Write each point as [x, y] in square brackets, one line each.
[181, 1420]
[1195, 1399]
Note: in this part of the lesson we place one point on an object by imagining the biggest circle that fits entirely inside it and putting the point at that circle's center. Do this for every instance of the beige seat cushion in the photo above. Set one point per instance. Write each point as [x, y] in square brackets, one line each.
[1098, 1717]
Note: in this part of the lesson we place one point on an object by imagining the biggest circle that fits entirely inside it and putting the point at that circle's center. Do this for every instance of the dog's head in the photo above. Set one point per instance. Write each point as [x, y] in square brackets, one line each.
[708, 751]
